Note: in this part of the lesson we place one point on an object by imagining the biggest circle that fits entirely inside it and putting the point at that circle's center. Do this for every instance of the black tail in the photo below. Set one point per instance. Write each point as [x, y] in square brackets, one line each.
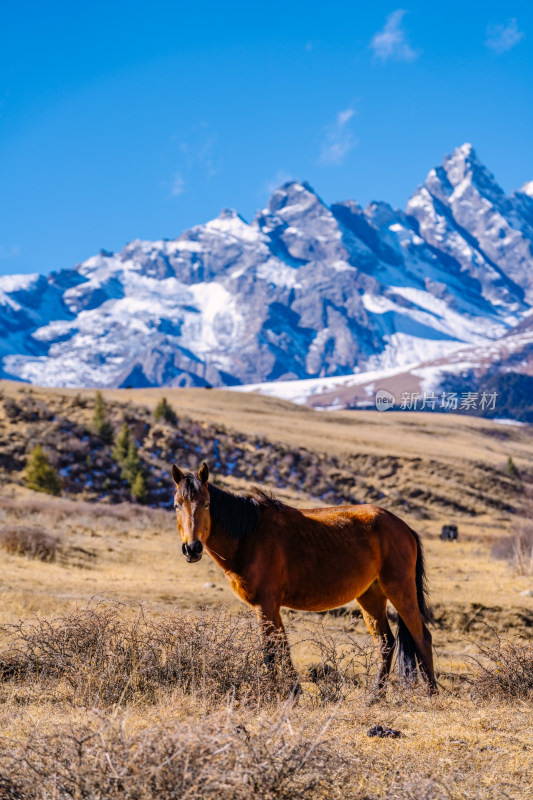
[407, 655]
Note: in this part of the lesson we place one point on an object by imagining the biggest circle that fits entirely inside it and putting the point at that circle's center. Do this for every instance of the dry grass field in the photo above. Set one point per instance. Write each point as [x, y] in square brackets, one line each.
[126, 672]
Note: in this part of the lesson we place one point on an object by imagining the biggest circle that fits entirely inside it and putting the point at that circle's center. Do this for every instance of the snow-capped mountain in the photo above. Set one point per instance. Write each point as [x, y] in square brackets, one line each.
[466, 369]
[304, 291]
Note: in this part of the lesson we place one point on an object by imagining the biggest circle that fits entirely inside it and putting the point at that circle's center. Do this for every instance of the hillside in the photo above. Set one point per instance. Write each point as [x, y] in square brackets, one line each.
[120, 663]
[438, 467]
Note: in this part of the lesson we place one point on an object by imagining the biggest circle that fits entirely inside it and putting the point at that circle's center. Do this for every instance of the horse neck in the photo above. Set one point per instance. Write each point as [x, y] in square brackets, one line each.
[222, 547]
[233, 519]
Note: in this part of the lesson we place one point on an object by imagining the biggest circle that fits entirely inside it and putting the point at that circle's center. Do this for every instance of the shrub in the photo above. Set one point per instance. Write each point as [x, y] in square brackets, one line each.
[40, 475]
[504, 670]
[213, 759]
[27, 541]
[165, 411]
[79, 401]
[343, 663]
[517, 549]
[57, 510]
[11, 408]
[101, 424]
[107, 655]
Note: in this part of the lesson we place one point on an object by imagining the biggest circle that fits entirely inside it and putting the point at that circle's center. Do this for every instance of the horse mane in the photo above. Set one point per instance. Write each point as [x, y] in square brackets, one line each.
[240, 514]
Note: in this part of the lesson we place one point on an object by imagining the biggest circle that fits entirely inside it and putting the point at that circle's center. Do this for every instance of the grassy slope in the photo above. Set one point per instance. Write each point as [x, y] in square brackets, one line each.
[446, 468]
[346, 433]
[343, 433]
[466, 745]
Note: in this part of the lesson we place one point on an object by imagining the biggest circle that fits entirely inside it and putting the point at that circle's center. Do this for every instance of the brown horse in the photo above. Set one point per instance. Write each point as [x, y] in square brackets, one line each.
[314, 559]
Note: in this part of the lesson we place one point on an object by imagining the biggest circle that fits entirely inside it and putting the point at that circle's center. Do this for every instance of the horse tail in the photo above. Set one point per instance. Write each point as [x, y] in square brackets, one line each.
[407, 654]
[421, 581]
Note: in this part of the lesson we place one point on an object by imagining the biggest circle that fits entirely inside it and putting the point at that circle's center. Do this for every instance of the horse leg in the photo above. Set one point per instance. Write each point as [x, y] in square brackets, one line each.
[374, 606]
[276, 650]
[405, 600]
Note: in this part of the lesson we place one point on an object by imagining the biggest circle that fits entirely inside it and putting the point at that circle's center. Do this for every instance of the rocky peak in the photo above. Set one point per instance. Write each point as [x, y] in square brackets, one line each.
[304, 290]
[461, 174]
[293, 198]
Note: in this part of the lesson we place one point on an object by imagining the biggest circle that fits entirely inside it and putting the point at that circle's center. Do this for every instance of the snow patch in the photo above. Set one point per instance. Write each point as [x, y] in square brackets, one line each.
[19, 283]
[527, 188]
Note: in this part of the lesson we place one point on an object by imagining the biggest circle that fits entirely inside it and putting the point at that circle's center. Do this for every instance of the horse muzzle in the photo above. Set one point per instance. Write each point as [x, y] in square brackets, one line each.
[193, 551]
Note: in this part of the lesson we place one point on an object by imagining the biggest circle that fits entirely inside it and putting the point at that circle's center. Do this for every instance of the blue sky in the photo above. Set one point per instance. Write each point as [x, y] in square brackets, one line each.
[121, 120]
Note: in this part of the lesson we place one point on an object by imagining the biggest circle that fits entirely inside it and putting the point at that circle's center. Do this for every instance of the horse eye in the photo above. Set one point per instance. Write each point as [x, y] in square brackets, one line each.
[206, 505]
[177, 506]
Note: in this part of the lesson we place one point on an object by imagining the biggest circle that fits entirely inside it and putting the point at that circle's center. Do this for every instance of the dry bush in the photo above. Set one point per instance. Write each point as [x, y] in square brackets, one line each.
[343, 662]
[102, 656]
[215, 758]
[29, 541]
[504, 669]
[517, 549]
[56, 510]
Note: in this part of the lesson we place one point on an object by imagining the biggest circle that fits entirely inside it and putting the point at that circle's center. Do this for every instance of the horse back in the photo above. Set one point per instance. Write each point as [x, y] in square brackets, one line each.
[323, 557]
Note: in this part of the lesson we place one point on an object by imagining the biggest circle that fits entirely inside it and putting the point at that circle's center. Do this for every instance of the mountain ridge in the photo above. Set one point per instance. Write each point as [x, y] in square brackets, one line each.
[304, 290]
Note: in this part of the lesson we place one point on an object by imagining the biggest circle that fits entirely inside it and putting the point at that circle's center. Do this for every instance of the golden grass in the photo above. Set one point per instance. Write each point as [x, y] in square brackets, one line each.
[460, 745]
[411, 434]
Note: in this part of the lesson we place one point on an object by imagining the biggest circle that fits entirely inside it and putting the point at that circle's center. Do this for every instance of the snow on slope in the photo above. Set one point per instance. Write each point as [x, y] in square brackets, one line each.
[305, 291]
[513, 352]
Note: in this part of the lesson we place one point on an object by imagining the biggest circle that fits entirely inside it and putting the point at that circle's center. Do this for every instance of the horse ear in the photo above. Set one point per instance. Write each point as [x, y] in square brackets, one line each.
[203, 472]
[177, 474]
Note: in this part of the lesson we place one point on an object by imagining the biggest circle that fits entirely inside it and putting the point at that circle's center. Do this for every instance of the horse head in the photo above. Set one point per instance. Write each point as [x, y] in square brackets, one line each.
[191, 501]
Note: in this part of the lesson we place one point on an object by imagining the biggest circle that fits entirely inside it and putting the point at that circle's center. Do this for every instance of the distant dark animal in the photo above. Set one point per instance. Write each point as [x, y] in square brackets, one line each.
[314, 559]
[449, 533]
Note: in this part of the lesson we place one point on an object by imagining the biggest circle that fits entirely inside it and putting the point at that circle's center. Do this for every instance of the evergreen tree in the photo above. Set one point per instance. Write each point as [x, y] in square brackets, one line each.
[126, 454]
[40, 475]
[121, 446]
[101, 424]
[511, 468]
[131, 464]
[138, 488]
[165, 411]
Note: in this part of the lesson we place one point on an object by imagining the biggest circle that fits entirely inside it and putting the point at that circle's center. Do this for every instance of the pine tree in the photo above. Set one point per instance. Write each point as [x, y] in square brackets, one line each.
[131, 464]
[165, 411]
[121, 446]
[40, 475]
[126, 454]
[511, 468]
[102, 426]
[138, 487]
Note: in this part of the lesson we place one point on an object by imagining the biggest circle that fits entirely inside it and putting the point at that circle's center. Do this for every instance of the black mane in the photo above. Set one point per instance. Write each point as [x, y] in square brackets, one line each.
[240, 514]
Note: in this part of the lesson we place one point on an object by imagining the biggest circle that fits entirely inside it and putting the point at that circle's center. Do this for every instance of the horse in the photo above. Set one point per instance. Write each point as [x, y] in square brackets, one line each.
[312, 559]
